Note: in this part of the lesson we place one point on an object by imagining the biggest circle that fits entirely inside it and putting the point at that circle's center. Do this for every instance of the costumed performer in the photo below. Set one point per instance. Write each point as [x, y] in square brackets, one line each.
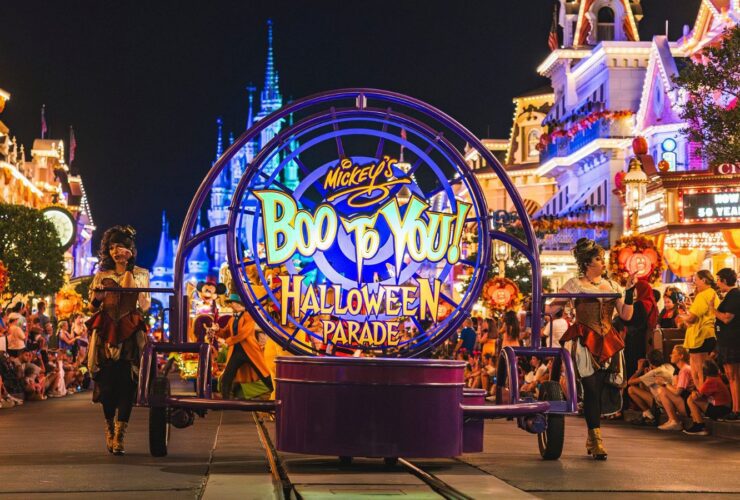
[594, 344]
[245, 362]
[118, 331]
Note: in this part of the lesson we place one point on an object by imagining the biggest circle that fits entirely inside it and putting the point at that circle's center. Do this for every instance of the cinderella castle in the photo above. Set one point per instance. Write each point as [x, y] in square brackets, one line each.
[206, 260]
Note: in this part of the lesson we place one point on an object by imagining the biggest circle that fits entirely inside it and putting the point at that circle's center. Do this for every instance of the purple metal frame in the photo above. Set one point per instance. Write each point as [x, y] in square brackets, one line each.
[360, 96]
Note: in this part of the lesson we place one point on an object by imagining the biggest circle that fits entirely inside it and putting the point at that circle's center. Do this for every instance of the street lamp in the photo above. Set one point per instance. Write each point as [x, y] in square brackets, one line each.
[635, 184]
[501, 253]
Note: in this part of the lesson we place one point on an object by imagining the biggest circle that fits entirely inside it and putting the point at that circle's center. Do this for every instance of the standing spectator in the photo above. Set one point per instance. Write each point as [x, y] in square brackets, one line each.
[712, 399]
[558, 324]
[66, 338]
[487, 338]
[643, 386]
[700, 338]
[467, 338]
[41, 314]
[509, 331]
[674, 393]
[728, 334]
[643, 321]
[16, 336]
[667, 318]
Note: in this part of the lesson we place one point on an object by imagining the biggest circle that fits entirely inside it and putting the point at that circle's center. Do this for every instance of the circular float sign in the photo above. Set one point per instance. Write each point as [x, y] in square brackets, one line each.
[346, 226]
[64, 223]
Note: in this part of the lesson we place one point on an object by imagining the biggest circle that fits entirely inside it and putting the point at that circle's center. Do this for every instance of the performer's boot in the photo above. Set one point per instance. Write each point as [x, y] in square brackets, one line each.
[118, 436]
[109, 432]
[597, 451]
[589, 443]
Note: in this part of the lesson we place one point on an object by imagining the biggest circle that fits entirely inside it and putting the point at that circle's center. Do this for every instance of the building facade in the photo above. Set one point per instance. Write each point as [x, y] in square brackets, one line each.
[44, 181]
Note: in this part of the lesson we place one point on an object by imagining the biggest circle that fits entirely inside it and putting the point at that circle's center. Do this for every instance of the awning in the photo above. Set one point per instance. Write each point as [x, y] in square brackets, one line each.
[593, 197]
[554, 205]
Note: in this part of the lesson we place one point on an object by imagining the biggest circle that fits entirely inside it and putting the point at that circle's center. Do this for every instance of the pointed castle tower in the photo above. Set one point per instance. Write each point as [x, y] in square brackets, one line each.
[199, 263]
[162, 271]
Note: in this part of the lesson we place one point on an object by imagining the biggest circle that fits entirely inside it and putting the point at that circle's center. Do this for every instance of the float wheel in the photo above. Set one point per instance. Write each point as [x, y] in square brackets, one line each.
[159, 425]
[551, 441]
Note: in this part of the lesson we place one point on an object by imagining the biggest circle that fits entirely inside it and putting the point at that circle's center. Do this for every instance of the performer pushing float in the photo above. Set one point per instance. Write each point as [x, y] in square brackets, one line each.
[118, 331]
[594, 344]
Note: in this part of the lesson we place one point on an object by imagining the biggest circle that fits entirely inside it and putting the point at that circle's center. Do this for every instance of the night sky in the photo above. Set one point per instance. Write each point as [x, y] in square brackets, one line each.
[143, 82]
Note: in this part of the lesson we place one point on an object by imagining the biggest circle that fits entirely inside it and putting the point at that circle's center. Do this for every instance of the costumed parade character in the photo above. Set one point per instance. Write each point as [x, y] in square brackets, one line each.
[118, 331]
[594, 344]
[206, 307]
[245, 363]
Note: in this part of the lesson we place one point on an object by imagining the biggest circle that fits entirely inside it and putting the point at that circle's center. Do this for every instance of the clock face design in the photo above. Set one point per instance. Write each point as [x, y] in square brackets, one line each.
[64, 225]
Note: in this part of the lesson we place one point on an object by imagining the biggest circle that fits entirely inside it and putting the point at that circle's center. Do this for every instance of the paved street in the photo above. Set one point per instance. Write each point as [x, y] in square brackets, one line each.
[54, 449]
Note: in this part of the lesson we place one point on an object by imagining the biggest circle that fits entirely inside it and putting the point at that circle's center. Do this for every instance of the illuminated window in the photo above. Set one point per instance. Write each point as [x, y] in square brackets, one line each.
[533, 138]
[669, 152]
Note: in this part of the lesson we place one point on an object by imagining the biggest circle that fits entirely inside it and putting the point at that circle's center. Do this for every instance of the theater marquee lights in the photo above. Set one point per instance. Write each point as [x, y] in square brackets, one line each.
[709, 205]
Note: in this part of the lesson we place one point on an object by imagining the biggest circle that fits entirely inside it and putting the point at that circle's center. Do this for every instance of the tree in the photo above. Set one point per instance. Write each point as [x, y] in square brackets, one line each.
[713, 87]
[30, 249]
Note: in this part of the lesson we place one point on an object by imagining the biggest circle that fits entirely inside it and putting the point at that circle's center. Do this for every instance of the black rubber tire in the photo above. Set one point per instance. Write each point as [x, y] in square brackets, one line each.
[159, 425]
[390, 461]
[551, 441]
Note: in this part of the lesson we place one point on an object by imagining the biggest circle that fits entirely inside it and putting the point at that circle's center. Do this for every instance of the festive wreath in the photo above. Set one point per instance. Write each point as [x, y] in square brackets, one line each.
[3, 276]
[501, 293]
[635, 254]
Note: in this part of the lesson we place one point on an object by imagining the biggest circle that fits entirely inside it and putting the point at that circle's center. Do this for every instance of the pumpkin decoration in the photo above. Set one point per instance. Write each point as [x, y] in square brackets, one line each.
[501, 294]
[68, 302]
[619, 180]
[663, 166]
[639, 145]
[638, 255]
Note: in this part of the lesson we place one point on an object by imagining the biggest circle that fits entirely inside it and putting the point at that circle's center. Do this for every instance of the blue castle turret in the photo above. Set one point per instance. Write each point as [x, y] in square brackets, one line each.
[204, 260]
[162, 271]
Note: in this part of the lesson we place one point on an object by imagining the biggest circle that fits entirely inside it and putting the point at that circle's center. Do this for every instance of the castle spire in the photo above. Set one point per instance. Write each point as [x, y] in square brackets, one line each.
[270, 75]
[250, 113]
[164, 252]
[219, 138]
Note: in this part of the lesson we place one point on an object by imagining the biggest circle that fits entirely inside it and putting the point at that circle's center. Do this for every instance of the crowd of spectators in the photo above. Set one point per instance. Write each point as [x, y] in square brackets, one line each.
[698, 380]
[36, 362]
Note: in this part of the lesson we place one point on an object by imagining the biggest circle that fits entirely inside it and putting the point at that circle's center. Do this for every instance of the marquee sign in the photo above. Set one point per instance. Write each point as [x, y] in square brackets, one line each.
[345, 230]
[710, 205]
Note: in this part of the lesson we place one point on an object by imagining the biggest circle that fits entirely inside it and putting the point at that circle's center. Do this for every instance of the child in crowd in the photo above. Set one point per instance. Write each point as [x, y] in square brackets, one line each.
[674, 393]
[712, 400]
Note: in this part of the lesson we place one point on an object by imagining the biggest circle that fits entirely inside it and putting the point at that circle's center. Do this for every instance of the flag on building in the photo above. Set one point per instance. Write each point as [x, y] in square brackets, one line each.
[72, 144]
[44, 129]
[552, 39]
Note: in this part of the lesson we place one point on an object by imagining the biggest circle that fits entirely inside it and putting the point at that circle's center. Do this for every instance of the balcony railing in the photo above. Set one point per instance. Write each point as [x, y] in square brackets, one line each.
[602, 128]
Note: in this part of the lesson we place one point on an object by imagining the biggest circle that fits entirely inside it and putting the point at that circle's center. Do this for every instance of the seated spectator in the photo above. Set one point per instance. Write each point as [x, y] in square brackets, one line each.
[534, 377]
[473, 373]
[674, 392]
[712, 400]
[58, 389]
[33, 388]
[642, 387]
[488, 372]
